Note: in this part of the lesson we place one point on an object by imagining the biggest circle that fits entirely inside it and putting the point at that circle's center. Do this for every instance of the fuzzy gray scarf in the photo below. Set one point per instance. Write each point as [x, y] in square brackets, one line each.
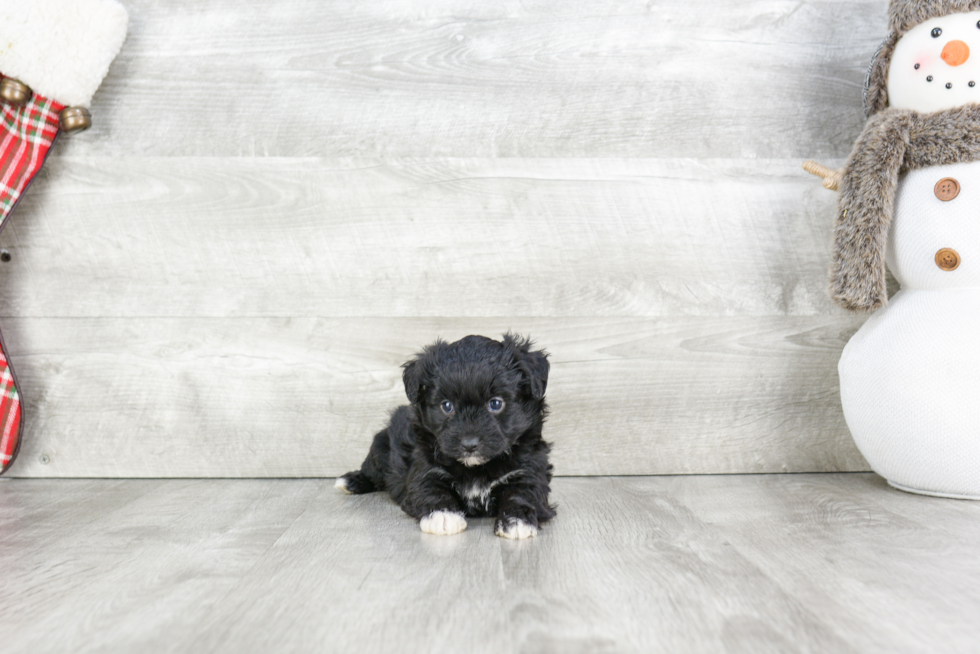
[894, 141]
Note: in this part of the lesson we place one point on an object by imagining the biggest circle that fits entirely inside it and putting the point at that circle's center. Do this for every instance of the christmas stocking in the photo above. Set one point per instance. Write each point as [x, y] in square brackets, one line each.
[54, 54]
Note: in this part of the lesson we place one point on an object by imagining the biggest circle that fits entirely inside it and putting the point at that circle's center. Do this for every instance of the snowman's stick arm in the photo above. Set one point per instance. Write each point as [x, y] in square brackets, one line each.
[831, 178]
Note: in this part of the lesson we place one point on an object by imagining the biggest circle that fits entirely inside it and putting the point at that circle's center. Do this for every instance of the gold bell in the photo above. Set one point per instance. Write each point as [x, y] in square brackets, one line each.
[75, 119]
[15, 92]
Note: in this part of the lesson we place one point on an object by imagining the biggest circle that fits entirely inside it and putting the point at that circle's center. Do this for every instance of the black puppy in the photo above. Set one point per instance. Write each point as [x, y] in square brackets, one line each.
[470, 442]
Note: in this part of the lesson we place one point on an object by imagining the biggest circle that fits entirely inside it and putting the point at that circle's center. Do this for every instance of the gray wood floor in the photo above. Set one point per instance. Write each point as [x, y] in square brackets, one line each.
[772, 563]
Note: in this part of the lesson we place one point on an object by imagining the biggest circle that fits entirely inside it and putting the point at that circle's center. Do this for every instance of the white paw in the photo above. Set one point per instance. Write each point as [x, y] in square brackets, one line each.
[443, 523]
[516, 529]
[341, 483]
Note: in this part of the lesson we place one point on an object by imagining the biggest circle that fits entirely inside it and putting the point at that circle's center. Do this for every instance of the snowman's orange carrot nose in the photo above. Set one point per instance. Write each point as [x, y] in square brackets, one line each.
[956, 53]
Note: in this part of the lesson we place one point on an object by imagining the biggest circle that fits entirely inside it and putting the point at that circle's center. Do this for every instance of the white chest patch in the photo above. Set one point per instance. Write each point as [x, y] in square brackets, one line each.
[477, 493]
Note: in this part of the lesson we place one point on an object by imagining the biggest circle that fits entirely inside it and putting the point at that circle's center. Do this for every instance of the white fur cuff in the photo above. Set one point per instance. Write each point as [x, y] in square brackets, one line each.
[61, 48]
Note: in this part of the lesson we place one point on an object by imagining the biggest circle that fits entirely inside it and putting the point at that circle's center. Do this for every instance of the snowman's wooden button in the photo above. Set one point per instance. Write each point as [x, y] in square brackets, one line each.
[947, 189]
[948, 259]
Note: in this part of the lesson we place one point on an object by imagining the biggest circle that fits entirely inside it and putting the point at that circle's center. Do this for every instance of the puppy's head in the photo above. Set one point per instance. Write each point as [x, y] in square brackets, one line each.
[477, 395]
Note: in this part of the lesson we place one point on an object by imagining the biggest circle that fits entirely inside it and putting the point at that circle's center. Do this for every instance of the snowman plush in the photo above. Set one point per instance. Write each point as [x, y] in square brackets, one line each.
[910, 197]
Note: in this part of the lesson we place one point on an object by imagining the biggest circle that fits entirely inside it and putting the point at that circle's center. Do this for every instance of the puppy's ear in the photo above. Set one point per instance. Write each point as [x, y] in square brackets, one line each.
[534, 365]
[417, 373]
[412, 377]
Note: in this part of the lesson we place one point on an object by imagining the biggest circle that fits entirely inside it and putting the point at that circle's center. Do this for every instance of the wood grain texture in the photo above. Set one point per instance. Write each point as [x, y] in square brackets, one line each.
[302, 397]
[281, 202]
[876, 541]
[260, 276]
[284, 237]
[182, 545]
[776, 563]
[538, 78]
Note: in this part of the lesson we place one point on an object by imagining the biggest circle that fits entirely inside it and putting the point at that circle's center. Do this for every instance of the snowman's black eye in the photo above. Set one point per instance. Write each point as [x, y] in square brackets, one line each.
[929, 79]
[978, 24]
[936, 31]
[917, 66]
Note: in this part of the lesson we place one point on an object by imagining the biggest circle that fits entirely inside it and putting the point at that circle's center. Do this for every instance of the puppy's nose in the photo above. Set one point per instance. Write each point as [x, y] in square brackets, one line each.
[470, 443]
[956, 53]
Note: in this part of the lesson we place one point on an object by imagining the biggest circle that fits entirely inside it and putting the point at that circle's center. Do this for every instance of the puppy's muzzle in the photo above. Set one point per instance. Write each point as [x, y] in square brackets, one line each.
[469, 449]
[469, 445]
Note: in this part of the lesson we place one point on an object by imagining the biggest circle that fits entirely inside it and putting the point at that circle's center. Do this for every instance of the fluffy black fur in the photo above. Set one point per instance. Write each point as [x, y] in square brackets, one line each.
[450, 450]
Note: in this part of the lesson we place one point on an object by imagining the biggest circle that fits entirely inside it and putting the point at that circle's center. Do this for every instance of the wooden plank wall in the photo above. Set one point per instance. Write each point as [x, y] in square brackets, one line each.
[280, 202]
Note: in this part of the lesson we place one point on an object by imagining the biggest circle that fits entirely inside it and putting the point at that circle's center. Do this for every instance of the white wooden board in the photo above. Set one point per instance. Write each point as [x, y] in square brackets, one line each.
[296, 397]
[467, 78]
[529, 237]
[280, 202]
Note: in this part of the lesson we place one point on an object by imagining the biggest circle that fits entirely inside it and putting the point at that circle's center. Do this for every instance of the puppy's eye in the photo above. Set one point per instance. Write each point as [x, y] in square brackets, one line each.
[447, 407]
[496, 405]
[936, 32]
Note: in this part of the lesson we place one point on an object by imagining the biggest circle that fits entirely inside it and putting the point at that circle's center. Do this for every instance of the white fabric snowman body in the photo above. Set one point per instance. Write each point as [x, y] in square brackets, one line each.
[910, 377]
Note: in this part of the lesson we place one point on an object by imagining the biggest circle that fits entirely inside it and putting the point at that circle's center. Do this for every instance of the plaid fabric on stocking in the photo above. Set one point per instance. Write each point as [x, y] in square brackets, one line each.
[26, 135]
[25, 138]
[9, 414]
